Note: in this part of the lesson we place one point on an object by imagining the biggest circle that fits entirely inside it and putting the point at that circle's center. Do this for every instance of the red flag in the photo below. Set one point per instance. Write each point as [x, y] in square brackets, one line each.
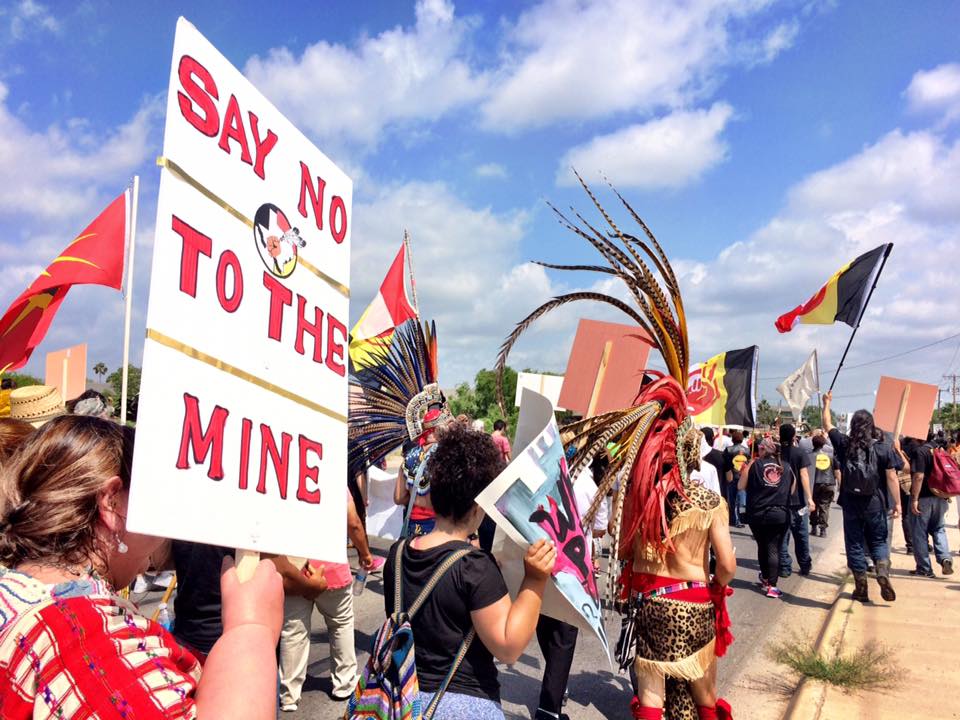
[95, 257]
[389, 309]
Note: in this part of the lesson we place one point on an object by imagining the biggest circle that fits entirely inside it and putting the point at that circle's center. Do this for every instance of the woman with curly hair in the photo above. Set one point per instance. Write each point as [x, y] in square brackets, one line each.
[472, 596]
[69, 645]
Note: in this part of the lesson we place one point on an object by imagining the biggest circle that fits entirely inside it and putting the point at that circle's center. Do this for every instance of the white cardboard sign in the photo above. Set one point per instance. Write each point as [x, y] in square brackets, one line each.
[241, 432]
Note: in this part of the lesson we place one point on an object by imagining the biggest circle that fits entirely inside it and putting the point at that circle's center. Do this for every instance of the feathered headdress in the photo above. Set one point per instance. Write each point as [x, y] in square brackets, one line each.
[396, 398]
[646, 434]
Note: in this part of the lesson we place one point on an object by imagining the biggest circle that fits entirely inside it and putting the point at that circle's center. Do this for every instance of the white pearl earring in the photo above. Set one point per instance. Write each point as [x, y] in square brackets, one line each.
[121, 546]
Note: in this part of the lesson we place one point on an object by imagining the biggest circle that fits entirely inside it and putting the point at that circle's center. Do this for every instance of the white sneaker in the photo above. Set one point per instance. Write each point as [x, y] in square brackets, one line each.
[288, 707]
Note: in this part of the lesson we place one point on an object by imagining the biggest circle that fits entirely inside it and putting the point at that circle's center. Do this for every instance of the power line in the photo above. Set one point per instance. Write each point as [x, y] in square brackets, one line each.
[884, 359]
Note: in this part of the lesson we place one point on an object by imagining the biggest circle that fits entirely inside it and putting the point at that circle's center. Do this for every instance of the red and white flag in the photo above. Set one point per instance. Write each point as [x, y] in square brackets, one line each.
[389, 309]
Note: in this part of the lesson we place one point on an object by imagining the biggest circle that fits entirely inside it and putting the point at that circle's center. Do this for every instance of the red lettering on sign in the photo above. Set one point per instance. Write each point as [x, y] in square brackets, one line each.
[209, 122]
[315, 328]
[202, 442]
[338, 219]
[194, 243]
[309, 472]
[279, 457]
[280, 296]
[228, 259]
[262, 147]
[246, 427]
[334, 346]
[316, 194]
[233, 130]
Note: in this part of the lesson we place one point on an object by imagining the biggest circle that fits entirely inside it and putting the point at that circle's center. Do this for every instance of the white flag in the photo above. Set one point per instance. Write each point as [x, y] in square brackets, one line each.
[801, 384]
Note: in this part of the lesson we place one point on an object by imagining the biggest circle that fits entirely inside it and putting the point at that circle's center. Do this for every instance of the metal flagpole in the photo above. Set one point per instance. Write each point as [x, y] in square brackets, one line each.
[129, 299]
[413, 282]
[863, 312]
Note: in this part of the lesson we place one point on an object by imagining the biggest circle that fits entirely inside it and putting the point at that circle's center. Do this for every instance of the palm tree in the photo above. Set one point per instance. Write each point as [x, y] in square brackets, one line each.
[100, 370]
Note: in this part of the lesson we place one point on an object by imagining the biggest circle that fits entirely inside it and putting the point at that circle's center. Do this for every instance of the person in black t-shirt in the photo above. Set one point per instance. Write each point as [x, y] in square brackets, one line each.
[826, 474]
[473, 593]
[865, 514]
[801, 505]
[768, 483]
[197, 606]
[927, 512]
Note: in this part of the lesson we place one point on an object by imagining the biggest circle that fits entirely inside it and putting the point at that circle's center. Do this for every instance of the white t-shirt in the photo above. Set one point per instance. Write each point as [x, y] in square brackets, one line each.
[707, 476]
[584, 490]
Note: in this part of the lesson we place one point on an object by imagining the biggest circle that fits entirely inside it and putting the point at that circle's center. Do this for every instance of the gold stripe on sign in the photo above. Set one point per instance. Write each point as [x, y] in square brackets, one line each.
[180, 347]
[182, 174]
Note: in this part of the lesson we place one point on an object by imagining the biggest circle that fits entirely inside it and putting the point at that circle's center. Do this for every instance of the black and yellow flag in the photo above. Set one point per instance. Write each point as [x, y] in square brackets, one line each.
[723, 390]
[844, 296]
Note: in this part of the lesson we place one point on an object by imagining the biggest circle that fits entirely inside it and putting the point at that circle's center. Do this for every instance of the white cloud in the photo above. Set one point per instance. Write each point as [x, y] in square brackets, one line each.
[491, 170]
[466, 262]
[28, 15]
[60, 172]
[882, 194]
[669, 152]
[401, 75]
[575, 60]
[936, 91]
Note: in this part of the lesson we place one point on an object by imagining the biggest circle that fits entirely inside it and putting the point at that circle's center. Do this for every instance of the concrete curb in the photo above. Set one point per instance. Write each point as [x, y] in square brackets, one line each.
[807, 700]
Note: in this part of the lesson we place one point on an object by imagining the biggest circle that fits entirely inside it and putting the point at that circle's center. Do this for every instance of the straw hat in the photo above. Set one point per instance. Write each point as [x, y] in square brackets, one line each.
[36, 404]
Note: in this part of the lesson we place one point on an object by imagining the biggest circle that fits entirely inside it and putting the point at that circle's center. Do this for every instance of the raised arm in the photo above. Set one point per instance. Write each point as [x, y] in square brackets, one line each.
[506, 628]
[827, 418]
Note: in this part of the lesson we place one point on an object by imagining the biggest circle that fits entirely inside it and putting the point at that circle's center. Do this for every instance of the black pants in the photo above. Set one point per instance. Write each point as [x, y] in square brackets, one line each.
[557, 641]
[769, 537]
[823, 498]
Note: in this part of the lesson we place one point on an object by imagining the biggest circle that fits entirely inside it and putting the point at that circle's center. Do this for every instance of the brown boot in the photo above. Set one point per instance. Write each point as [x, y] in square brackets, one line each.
[860, 590]
[883, 579]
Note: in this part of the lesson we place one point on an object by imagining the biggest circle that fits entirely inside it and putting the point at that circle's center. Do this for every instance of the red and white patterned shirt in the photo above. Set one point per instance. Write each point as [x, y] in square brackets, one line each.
[76, 651]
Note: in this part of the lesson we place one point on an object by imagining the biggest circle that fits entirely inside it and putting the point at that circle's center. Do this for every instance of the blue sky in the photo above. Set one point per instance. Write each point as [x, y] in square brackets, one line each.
[765, 143]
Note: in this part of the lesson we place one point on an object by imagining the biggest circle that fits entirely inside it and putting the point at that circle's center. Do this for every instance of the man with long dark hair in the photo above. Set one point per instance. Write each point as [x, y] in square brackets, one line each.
[801, 504]
[864, 465]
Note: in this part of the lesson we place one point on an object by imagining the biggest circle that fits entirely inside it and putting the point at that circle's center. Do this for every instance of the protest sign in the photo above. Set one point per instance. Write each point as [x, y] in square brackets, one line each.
[67, 371]
[547, 385]
[384, 516]
[920, 400]
[241, 438]
[605, 367]
[533, 498]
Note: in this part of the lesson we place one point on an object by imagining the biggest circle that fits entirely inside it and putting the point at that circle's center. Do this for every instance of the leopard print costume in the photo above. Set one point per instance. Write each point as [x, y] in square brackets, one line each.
[675, 638]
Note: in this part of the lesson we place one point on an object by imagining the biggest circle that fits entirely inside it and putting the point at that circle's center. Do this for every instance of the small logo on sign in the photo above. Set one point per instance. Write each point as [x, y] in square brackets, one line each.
[277, 241]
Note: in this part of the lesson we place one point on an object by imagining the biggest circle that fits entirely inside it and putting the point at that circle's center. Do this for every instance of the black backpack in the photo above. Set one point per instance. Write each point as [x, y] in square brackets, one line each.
[860, 474]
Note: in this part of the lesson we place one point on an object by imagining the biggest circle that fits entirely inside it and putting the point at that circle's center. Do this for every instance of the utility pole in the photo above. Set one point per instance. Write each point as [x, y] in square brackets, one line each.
[953, 393]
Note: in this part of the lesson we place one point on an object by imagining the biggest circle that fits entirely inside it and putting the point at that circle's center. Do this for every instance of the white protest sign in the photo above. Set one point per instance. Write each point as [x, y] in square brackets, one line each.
[533, 498]
[241, 427]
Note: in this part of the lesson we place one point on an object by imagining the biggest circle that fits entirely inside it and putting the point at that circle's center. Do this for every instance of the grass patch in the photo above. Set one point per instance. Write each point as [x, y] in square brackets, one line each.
[870, 666]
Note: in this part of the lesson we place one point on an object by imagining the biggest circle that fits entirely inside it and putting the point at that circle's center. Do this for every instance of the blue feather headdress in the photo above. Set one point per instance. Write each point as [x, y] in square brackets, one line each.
[390, 398]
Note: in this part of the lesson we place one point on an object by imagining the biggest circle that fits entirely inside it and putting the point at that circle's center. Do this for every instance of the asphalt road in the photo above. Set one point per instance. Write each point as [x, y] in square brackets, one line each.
[595, 691]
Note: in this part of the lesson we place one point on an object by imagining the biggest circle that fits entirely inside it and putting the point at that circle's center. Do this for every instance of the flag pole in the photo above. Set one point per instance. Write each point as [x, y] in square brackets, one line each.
[863, 312]
[413, 282]
[129, 300]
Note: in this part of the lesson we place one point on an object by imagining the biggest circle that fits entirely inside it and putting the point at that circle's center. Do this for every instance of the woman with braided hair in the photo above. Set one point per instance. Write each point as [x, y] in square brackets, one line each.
[663, 524]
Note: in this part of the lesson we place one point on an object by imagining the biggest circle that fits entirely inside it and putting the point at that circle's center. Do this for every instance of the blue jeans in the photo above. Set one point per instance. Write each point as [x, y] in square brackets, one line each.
[800, 529]
[864, 532]
[929, 522]
[736, 499]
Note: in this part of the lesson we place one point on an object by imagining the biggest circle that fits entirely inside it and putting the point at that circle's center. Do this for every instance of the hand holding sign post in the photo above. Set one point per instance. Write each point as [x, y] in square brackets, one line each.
[242, 420]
